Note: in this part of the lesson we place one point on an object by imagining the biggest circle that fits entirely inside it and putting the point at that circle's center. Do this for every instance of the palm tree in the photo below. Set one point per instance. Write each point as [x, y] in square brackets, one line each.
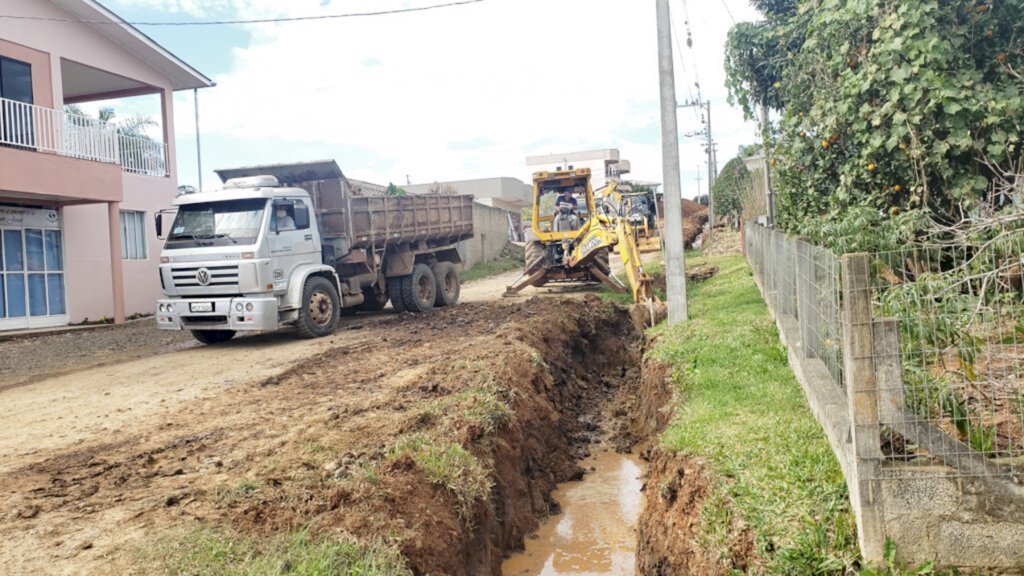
[133, 142]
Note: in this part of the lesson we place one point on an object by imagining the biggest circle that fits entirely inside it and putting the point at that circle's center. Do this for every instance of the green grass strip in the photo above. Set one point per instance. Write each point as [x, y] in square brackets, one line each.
[745, 414]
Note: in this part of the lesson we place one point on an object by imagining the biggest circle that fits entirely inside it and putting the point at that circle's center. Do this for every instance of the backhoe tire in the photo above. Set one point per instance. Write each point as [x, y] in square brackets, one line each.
[395, 293]
[534, 250]
[449, 285]
[319, 308]
[419, 290]
[210, 337]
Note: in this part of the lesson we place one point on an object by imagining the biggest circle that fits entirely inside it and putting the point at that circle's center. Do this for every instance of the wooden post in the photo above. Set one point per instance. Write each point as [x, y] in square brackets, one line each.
[862, 397]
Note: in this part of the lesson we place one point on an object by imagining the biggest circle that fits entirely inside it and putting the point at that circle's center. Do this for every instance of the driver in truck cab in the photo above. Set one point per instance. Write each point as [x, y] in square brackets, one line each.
[282, 221]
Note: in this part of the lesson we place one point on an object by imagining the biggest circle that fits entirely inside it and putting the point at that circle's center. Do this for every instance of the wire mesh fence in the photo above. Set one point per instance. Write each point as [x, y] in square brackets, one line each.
[803, 281]
[961, 321]
[948, 382]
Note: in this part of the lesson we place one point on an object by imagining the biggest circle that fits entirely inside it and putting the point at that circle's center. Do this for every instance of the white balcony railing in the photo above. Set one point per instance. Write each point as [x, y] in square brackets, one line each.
[37, 128]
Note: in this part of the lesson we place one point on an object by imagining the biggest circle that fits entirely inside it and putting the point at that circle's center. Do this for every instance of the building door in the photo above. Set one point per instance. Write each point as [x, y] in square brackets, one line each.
[32, 284]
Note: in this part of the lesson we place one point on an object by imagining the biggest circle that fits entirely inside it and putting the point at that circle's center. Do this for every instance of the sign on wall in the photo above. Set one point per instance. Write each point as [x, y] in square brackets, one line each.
[16, 216]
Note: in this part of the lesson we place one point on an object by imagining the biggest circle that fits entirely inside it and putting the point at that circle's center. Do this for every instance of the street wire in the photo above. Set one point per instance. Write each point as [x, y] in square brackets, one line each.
[253, 21]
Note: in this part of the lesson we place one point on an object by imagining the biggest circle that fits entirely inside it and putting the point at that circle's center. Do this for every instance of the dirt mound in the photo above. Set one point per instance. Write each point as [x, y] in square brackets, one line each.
[676, 491]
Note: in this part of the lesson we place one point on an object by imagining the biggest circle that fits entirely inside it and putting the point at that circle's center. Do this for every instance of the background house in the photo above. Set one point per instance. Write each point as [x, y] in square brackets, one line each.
[605, 164]
[77, 195]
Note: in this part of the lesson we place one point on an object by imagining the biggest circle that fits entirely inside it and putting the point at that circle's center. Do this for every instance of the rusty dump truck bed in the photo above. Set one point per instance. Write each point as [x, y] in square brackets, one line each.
[349, 221]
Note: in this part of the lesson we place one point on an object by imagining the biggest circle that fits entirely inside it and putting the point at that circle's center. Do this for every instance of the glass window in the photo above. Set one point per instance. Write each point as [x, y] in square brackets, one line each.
[34, 249]
[37, 294]
[1, 252]
[217, 224]
[133, 235]
[55, 293]
[13, 255]
[15, 80]
[15, 295]
[3, 298]
[54, 253]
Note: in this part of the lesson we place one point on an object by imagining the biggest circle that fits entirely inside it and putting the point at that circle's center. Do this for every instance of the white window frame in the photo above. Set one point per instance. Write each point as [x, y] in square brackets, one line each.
[133, 235]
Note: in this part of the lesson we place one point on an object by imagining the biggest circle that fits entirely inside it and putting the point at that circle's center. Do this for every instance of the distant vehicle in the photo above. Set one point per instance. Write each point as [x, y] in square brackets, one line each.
[257, 255]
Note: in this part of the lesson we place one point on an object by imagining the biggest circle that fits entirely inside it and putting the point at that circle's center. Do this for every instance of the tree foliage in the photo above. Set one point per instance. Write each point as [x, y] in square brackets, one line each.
[732, 184]
[885, 105]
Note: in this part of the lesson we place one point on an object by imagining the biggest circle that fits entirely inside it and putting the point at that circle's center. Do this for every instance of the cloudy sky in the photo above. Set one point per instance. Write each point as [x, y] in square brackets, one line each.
[449, 94]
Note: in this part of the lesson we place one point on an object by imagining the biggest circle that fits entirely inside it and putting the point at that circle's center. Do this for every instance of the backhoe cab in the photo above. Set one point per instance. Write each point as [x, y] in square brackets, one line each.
[571, 236]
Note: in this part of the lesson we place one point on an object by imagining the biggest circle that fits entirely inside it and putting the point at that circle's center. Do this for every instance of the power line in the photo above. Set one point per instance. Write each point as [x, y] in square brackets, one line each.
[728, 11]
[253, 21]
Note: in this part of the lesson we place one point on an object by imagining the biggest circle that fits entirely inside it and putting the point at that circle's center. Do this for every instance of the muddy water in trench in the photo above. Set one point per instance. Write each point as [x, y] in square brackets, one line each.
[595, 533]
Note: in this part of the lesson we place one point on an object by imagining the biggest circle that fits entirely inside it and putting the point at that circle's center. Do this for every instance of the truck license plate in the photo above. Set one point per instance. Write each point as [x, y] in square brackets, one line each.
[200, 307]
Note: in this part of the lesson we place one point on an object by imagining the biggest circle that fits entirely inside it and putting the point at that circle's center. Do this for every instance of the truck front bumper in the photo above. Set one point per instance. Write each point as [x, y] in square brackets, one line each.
[238, 314]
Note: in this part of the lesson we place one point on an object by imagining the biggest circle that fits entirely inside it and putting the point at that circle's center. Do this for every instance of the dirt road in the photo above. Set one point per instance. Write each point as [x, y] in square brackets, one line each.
[96, 461]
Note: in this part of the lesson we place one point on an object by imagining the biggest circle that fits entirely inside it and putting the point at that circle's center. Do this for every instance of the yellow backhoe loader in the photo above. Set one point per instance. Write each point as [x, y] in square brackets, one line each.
[571, 236]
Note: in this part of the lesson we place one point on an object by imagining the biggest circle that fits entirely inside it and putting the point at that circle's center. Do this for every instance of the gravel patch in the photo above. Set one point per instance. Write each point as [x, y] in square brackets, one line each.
[29, 359]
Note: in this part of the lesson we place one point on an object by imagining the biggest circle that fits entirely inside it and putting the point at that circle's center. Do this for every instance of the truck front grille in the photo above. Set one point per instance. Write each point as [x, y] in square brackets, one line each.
[189, 277]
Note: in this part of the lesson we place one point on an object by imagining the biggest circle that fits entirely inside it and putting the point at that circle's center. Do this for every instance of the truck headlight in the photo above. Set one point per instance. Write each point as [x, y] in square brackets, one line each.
[162, 308]
[249, 307]
[238, 307]
[170, 307]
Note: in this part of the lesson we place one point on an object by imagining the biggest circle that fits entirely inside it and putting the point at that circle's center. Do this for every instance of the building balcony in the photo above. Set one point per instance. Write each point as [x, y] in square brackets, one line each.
[35, 128]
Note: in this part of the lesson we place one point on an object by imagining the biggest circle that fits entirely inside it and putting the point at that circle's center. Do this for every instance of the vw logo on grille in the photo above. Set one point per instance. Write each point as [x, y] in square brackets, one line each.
[203, 276]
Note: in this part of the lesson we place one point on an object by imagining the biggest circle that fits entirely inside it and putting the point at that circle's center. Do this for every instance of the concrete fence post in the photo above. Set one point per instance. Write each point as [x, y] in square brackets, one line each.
[862, 399]
[805, 290]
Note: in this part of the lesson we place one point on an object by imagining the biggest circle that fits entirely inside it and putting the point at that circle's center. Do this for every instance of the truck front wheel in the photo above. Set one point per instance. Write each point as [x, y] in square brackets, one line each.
[321, 306]
[213, 336]
[419, 290]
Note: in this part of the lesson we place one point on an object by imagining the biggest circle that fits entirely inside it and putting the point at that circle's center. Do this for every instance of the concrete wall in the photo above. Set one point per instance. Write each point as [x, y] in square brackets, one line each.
[508, 191]
[490, 235]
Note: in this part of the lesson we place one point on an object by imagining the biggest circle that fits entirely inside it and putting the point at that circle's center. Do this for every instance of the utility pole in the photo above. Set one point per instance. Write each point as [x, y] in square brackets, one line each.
[712, 169]
[765, 138]
[698, 185]
[675, 257]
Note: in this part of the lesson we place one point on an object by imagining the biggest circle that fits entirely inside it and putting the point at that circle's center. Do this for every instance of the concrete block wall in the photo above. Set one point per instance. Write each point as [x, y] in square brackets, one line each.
[490, 235]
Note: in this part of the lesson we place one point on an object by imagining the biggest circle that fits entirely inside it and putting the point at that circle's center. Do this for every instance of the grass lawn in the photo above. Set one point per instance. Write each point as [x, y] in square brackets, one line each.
[744, 413]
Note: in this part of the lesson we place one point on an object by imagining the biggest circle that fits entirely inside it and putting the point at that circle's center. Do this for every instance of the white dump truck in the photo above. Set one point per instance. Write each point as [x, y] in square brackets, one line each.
[292, 245]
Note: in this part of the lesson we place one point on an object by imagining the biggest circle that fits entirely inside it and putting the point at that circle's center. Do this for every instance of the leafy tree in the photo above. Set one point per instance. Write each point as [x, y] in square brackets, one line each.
[884, 105]
[393, 190]
[731, 185]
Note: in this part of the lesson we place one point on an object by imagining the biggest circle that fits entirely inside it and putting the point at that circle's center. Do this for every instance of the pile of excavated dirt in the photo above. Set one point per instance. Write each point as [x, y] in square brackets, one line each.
[519, 387]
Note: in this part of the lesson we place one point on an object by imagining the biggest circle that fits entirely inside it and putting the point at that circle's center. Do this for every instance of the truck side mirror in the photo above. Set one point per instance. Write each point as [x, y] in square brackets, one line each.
[301, 216]
[160, 226]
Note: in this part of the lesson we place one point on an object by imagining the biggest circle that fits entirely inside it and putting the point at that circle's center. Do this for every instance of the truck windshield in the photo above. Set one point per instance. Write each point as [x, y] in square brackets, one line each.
[217, 224]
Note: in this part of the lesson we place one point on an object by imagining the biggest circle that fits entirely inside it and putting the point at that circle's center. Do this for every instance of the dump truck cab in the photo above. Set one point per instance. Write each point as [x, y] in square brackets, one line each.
[230, 263]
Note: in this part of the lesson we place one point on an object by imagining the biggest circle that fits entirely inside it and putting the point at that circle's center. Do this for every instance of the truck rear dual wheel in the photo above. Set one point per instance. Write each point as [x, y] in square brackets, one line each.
[449, 285]
[213, 336]
[320, 308]
[419, 289]
[395, 293]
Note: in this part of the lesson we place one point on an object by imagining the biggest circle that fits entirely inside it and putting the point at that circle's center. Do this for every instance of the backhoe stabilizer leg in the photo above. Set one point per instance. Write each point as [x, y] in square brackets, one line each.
[527, 279]
[612, 281]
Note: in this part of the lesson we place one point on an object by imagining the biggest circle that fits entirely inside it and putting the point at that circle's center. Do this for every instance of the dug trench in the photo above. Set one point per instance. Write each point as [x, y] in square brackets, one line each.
[439, 437]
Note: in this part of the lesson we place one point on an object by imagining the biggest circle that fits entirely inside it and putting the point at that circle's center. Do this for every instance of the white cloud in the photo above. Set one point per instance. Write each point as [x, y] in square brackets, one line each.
[460, 92]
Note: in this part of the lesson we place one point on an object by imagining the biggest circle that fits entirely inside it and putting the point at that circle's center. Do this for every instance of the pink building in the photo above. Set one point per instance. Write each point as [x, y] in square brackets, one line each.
[78, 197]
